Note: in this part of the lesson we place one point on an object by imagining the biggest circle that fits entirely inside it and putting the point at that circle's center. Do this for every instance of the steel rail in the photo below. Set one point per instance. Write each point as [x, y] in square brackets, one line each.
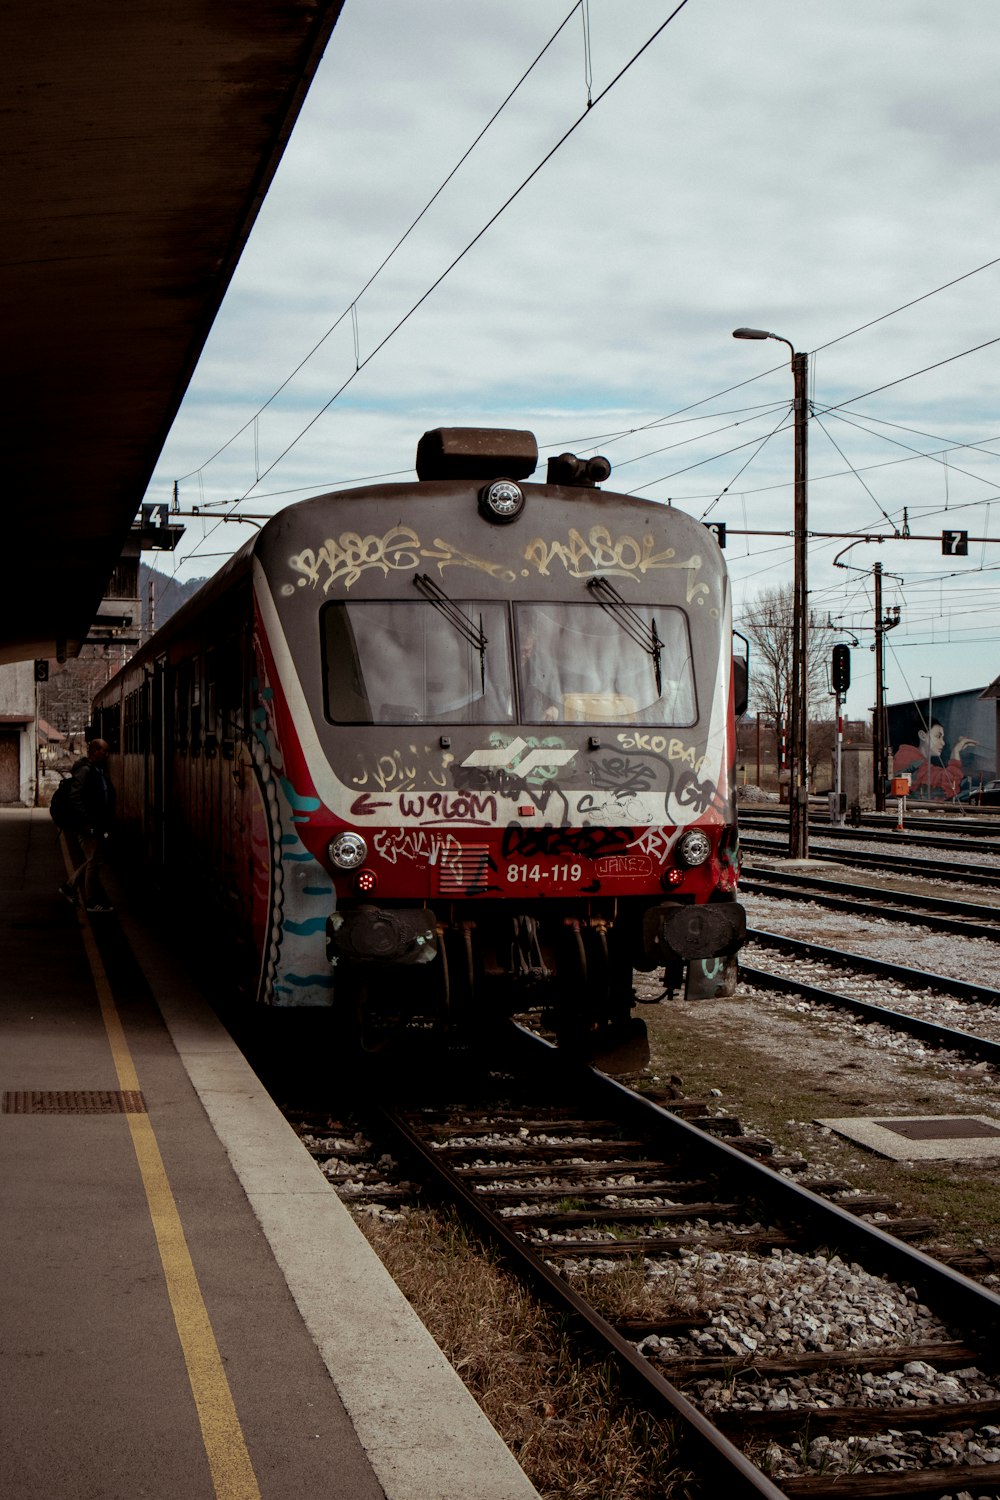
[889, 835]
[881, 893]
[896, 906]
[918, 979]
[932, 868]
[825, 1222]
[972, 826]
[926, 1031]
[975, 911]
[732, 1467]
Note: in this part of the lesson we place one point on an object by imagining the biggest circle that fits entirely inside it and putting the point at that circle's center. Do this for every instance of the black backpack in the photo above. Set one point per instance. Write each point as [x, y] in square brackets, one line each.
[59, 807]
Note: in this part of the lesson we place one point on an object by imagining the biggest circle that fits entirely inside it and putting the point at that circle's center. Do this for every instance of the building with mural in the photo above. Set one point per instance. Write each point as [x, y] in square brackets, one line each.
[946, 744]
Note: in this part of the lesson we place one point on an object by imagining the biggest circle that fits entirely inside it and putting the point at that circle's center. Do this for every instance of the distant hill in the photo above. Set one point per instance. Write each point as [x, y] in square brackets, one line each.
[168, 595]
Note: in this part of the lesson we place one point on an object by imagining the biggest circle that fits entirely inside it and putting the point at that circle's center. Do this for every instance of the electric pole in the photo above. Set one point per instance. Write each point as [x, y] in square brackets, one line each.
[798, 790]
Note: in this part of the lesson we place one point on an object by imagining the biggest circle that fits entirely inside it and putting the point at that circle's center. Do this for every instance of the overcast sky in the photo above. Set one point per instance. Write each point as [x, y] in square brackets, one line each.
[802, 168]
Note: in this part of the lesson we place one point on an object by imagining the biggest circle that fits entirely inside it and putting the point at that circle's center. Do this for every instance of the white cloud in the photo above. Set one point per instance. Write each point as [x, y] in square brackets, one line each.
[783, 164]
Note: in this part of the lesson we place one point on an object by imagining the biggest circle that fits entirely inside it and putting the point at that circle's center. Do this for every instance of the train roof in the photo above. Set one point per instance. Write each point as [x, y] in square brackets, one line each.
[448, 460]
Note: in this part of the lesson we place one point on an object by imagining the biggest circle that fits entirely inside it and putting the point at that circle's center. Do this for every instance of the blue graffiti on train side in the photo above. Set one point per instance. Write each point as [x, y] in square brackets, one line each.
[299, 885]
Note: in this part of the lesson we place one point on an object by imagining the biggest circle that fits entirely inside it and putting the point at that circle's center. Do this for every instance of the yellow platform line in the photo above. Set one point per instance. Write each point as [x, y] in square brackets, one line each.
[225, 1447]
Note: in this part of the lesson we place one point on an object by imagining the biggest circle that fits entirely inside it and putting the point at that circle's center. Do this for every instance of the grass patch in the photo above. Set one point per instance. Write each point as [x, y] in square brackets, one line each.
[779, 1071]
[561, 1413]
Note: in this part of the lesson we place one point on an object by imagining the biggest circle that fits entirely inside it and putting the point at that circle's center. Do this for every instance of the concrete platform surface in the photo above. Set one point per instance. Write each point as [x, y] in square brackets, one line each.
[922, 1137]
[188, 1310]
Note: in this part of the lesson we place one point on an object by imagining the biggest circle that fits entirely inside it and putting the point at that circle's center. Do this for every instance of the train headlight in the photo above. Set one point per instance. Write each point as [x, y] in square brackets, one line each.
[693, 848]
[501, 501]
[347, 851]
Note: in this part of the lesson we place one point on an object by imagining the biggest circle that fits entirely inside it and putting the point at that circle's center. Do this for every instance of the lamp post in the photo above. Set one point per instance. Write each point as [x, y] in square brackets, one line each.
[930, 716]
[798, 799]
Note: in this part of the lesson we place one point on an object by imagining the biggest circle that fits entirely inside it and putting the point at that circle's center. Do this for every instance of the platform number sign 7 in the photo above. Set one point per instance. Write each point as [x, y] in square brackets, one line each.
[955, 543]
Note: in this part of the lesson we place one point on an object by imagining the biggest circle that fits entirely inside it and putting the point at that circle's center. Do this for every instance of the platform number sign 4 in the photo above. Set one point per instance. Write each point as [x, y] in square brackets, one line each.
[955, 543]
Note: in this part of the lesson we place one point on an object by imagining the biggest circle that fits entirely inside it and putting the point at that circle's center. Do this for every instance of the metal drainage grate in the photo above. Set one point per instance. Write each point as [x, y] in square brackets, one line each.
[939, 1130]
[74, 1102]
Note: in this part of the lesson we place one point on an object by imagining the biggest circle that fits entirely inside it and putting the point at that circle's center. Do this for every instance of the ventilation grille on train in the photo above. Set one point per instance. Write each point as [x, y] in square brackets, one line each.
[470, 869]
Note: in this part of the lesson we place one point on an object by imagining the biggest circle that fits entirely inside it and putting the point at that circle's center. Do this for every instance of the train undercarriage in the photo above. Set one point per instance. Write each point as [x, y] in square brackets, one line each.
[464, 968]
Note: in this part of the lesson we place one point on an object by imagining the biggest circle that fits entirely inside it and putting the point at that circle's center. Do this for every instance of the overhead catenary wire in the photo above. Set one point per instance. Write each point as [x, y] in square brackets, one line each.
[461, 255]
[512, 197]
[351, 308]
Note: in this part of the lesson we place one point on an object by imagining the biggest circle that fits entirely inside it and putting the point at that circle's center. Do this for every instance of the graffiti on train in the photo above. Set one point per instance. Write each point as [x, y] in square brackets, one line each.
[622, 556]
[350, 556]
[347, 558]
[400, 770]
[417, 845]
[588, 843]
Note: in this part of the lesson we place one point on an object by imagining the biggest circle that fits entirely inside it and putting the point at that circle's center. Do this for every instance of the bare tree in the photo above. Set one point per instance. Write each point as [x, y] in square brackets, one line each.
[767, 624]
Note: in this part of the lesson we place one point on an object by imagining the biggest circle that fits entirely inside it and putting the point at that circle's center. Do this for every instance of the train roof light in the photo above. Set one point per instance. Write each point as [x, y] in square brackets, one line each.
[476, 453]
[502, 501]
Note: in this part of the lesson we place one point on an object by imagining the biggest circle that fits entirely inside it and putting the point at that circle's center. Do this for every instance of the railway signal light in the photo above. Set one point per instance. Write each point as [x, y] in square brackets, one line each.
[955, 543]
[840, 669]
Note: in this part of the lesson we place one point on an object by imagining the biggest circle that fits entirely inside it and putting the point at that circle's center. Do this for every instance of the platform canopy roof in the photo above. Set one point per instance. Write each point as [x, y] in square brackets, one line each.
[139, 140]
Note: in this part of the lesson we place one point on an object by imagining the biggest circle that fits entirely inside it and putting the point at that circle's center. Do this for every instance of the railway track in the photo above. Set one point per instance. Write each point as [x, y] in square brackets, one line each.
[801, 1350]
[966, 825]
[912, 836]
[940, 914]
[930, 869]
[819, 976]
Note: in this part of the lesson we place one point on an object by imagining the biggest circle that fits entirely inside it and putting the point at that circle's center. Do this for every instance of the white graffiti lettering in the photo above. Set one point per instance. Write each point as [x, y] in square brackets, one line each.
[417, 845]
[346, 558]
[624, 556]
[447, 555]
[656, 842]
[661, 744]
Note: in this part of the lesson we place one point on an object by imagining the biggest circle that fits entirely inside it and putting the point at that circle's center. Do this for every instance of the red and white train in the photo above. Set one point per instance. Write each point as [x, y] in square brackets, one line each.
[437, 748]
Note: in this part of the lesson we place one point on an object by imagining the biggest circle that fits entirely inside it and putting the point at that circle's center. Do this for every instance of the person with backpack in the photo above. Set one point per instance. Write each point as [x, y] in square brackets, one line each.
[86, 810]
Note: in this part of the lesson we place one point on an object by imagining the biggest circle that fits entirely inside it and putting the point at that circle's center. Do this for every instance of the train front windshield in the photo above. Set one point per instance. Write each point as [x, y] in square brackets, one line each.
[487, 662]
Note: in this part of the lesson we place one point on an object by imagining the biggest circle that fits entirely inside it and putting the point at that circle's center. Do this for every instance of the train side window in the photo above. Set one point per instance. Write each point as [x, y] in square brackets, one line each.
[110, 727]
[229, 680]
[400, 662]
[181, 705]
[195, 719]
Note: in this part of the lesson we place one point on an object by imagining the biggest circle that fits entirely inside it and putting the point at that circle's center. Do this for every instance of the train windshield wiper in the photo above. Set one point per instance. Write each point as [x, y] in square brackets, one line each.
[467, 629]
[635, 627]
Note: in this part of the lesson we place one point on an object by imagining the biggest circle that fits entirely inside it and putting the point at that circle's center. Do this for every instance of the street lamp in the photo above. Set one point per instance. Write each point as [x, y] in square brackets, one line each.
[930, 712]
[798, 797]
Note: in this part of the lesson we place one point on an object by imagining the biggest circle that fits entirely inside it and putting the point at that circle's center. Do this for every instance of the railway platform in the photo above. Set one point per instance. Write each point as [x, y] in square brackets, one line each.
[188, 1310]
